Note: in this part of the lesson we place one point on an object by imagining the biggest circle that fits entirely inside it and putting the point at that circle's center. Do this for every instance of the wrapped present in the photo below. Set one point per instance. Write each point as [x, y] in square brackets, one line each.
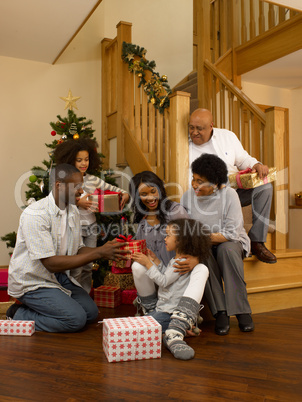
[4, 297]
[128, 296]
[3, 276]
[117, 268]
[245, 179]
[108, 201]
[107, 296]
[124, 281]
[15, 327]
[135, 246]
[131, 338]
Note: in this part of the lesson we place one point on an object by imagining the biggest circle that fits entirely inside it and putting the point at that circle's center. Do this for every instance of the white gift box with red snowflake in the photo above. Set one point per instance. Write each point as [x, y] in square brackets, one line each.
[14, 327]
[131, 338]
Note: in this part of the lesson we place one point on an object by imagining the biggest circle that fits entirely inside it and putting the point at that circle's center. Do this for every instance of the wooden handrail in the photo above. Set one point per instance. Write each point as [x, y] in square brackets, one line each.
[248, 103]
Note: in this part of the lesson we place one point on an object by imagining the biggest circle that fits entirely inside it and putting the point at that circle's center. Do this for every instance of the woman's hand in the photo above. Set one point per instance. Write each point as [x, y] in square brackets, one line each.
[85, 203]
[124, 199]
[142, 259]
[183, 267]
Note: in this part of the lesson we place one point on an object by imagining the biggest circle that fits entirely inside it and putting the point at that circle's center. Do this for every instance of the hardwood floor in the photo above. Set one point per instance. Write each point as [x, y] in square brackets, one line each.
[265, 365]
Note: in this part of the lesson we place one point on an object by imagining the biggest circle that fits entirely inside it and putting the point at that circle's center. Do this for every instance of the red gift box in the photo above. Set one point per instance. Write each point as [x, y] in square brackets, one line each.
[4, 297]
[135, 246]
[15, 327]
[108, 201]
[3, 276]
[117, 270]
[131, 338]
[107, 296]
[128, 296]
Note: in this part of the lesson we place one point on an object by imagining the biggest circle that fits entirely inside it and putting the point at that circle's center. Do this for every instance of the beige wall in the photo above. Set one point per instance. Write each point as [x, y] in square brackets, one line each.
[30, 91]
[292, 100]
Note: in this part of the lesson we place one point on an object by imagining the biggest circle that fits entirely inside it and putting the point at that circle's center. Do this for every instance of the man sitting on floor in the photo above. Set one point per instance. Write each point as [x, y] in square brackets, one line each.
[48, 246]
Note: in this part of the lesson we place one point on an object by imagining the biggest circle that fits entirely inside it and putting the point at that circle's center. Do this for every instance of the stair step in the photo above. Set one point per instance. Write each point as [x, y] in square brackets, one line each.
[194, 104]
[277, 286]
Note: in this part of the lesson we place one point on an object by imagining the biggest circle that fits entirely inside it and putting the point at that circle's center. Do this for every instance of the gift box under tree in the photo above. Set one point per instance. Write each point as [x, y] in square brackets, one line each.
[128, 296]
[123, 281]
[131, 338]
[107, 296]
[4, 297]
[245, 179]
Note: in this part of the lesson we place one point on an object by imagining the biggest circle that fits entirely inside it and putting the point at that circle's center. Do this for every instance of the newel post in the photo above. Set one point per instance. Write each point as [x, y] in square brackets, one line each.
[179, 145]
[123, 90]
[276, 151]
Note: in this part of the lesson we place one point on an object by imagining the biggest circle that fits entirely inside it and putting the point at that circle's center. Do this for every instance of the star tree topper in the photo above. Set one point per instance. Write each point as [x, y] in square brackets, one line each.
[70, 101]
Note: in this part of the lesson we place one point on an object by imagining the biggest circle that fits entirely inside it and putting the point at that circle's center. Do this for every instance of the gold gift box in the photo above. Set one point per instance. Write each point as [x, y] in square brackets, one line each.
[108, 203]
[124, 281]
[251, 180]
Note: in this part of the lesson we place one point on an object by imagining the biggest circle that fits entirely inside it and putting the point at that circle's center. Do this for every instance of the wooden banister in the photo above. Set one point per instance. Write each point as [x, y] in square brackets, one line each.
[146, 138]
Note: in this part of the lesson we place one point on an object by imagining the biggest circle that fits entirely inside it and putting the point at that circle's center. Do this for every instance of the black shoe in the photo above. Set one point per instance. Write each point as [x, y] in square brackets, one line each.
[222, 325]
[11, 311]
[245, 322]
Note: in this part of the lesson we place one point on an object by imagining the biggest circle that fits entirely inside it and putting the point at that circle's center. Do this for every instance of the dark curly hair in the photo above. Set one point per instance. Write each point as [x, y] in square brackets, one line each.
[67, 151]
[62, 173]
[191, 238]
[152, 180]
[212, 168]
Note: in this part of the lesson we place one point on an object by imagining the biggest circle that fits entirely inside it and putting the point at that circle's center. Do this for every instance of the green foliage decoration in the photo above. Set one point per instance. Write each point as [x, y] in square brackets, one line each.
[156, 87]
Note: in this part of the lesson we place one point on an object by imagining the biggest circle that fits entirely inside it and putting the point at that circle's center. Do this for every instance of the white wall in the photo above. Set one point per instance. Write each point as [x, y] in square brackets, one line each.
[291, 99]
[30, 91]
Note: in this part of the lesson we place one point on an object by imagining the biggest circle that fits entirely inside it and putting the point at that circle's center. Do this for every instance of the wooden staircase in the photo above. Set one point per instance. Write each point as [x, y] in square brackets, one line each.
[147, 140]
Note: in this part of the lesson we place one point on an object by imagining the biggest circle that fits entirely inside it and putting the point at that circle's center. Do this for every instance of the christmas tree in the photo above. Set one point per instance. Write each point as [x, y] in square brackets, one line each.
[66, 128]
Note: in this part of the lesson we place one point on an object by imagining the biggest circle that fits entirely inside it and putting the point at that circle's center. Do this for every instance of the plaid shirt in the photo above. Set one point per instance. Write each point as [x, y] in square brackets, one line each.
[39, 236]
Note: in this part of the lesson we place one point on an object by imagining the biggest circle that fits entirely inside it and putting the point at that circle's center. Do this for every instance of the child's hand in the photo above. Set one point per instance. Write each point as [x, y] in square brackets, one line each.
[153, 257]
[142, 259]
[85, 203]
[124, 199]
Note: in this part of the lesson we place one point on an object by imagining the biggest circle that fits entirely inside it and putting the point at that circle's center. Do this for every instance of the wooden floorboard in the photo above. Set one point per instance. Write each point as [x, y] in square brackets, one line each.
[265, 365]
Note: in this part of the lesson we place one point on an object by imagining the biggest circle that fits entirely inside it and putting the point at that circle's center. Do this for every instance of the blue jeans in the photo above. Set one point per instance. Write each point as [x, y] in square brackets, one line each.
[55, 311]
[163, 319]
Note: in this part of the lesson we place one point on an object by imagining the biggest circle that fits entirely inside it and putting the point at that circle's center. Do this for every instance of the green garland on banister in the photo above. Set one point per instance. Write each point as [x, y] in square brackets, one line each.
[157, 88]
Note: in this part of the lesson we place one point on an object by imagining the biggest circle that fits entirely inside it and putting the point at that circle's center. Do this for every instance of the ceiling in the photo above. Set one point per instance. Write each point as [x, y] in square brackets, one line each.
[39, 30]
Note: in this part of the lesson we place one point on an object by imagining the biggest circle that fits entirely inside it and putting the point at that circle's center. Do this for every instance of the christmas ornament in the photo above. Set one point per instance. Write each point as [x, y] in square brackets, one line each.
[73, 129]
[64, 137]
[50, 154]
[60, 141]
[152, 100]
[70, 101]
[53, 133]
[140, 75]
[95, 266]
[42, 186]
[76, 136]
[32, 178]
[164, 78]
